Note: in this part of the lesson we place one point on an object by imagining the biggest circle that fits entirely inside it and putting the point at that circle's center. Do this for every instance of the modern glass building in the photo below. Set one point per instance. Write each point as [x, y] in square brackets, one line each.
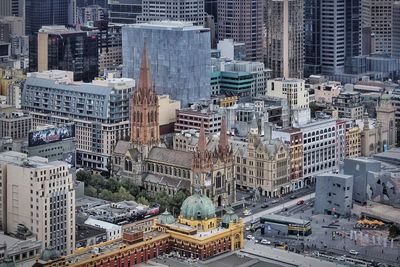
[124, 11]
[59, 48]
[312, 37]
[179, 54]
[48, 12]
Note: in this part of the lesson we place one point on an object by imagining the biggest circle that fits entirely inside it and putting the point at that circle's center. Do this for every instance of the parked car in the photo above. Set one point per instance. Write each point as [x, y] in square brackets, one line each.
[264, 205]
[248, 228]
[353, 252]
[250, 237]
[265, 242]
[274, 201]
[300, 202]
[292, 196]
[247, 212]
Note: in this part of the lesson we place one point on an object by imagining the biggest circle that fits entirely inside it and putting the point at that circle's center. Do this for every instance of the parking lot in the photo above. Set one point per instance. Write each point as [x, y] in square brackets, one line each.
[333, 237]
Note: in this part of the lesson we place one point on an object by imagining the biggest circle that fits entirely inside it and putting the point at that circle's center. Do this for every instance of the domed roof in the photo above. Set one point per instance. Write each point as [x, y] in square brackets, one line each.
[49, 253]
[197, 207]
[166, 218]
[230, 217]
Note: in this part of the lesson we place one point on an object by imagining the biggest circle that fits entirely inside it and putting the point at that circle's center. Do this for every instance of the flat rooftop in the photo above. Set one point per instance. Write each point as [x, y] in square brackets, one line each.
[283, 219]
[106, 247]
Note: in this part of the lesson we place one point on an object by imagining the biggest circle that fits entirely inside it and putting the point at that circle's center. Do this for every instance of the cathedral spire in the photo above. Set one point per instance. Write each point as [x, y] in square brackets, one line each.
[223, 145]
[145, 82]
[202, 144]
[144, 109]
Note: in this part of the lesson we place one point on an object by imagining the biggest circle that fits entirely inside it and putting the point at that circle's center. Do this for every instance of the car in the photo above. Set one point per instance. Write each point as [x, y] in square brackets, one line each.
[250, 237]
[265, 242]
[300, 202]
[274, 201]
[248, 228]
[264, 205]
[353, 252]
[292, 196]
[247, 212]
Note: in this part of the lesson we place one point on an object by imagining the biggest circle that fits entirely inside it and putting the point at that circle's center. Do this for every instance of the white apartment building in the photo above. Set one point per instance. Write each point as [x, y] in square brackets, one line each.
[113, 231]
[292, 89]
[40, 196]
[100, 111]
[319, 147]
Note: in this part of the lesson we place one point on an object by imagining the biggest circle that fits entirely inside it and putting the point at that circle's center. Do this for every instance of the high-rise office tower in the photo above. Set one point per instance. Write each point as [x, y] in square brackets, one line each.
[376, 23]
[242, 21]
[284, 22]
[12, 8]
[312, 37]
[48, 12]
[38, 196]
[59, 48]
[182, 10]
[333, 36]
[396, 29]
[211, 8]
[124, 11]
[179, 56]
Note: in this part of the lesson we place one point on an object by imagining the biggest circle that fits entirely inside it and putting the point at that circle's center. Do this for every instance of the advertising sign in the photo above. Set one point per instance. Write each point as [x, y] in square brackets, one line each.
[51, 135]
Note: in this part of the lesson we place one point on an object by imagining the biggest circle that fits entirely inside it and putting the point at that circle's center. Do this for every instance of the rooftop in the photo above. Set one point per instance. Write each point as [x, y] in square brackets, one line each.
[284, 219]
[168, 25]
[102, 249]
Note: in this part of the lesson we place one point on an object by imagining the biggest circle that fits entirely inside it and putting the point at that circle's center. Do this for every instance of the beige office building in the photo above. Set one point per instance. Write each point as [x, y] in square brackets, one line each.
[291, 89]
[38, 196]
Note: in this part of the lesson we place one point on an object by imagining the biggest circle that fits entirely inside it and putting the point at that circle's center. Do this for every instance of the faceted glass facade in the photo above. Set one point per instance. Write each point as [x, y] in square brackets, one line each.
[179, 57]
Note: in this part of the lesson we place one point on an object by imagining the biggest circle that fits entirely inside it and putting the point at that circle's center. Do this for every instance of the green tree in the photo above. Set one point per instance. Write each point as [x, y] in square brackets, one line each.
[130, 185]
[163, 200]
[122, 195]
[142, 200]
[84, 176]
[90, 191]
[178, 199]
[106, 194]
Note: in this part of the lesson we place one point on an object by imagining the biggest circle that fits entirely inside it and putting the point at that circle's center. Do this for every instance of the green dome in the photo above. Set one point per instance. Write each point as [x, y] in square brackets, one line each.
[229, 217]
[49, 254]
[197, 207]
[166, 218]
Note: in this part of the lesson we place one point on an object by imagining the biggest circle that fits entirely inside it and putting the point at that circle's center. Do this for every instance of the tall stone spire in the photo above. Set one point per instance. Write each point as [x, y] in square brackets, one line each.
[145, 82]
[223, 145]
[144, 109]
[202, 144]
[202, 157]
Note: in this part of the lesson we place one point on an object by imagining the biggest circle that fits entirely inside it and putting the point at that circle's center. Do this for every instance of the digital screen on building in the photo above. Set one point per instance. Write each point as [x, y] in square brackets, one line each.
[51, 135]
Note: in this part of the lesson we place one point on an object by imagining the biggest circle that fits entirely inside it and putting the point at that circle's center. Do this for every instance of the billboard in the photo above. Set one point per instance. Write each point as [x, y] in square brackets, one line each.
[69, 158]
[51, 135]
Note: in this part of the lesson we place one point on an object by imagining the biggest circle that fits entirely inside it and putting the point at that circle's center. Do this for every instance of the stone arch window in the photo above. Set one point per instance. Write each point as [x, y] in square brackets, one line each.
[371, 147]
[218, 180]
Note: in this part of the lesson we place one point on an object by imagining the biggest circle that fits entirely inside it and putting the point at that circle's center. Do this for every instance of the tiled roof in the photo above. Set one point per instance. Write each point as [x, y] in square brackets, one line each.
[171, 157]
[168, 181]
